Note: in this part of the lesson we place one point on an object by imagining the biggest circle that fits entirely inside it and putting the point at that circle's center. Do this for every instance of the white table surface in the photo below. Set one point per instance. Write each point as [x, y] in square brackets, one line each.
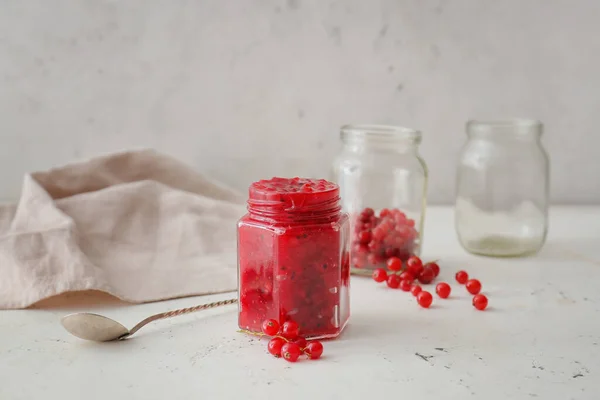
[540, 338]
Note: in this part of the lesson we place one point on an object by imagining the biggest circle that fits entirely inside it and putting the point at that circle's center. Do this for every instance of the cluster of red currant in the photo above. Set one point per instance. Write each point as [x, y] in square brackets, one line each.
[379, 237]
[473, 286]
[287, 343]
[398, 277]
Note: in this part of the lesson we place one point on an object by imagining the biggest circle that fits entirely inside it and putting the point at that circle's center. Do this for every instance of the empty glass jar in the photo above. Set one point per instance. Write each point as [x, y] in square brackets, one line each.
[383, 183]
[502, 188]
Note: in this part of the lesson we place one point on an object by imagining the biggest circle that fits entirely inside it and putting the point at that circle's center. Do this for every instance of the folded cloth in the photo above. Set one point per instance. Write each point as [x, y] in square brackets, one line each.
[138, 225]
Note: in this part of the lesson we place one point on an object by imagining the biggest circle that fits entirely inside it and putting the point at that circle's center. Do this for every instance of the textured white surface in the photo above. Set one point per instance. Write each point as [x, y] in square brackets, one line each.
[252, 88]
[539, 339]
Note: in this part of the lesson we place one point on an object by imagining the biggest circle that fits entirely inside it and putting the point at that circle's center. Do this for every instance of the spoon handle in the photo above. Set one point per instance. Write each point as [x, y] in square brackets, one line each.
[176, 313]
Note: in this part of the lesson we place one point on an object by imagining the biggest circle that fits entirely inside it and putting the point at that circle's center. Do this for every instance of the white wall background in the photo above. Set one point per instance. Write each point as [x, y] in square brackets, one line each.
[248, 89]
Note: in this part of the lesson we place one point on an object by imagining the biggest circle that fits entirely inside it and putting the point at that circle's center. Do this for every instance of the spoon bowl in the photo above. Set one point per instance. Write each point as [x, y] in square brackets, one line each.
[94, 327]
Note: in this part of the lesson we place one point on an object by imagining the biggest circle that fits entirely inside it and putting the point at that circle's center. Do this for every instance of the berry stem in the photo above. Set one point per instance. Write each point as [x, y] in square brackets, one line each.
[261, 334]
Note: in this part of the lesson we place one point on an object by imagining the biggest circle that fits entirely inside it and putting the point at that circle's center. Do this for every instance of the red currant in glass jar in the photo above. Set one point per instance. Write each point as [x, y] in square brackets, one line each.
[383, 183]
[293, 258]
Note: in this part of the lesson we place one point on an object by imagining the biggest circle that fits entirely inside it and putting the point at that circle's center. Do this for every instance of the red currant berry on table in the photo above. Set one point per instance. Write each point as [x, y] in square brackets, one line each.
[414, 262]
[443, 290]
[289, 330]
[393, 281]
[405, 285]
[415, 290]
[314, 349]
[270, 327]
[424, 299]
[480, 302]
[379, 275]
[462, 277]
[290, 351]
[394, 264]
[473, 286]
[275, 346]
[434, 267]
[415, 268]
[300, 341]
[407, 276]
[426, 276]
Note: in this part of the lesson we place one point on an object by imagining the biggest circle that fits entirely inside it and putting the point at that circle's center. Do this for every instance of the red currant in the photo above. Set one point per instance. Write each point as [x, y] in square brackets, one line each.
[373, 259]
[480, 302]
[364, 237]
[384, 212]
[414, 262]
[415, 289]
[369, 212]
[275, 346]
[405, 285]
[314, 349]
[270, 327]
[473, 286]
[393, 281]
[424, 299]
[394, 264]
[389, 252]
[290, 330]
[414, 267]
[378, 233]
[300, 341]
[435, 268]
[407, 276]
[290, 351]
[379, 275]
[426, 276]
[443, 290]
[462, 277]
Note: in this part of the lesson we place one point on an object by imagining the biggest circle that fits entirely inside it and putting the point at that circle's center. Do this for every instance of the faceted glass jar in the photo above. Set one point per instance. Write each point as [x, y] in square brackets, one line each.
[502, 189]
[383, 185]
[293, 257]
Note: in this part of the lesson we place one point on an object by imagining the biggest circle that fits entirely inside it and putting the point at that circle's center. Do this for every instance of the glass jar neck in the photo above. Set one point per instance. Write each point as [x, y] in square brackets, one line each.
[517, 130]
[294, 201]
[380, 138]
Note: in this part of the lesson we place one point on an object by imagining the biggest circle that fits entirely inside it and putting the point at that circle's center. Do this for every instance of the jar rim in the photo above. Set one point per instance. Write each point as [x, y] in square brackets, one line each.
[519, 126]
[380, 133]
[293, 199]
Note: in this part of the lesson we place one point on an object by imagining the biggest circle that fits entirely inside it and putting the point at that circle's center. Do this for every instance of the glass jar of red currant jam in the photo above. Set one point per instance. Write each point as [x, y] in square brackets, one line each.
[383, 186]
[293, 257]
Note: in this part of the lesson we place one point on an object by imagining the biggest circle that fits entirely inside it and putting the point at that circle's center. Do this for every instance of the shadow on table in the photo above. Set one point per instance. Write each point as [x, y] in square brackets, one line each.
[570, 249]
[76, 300]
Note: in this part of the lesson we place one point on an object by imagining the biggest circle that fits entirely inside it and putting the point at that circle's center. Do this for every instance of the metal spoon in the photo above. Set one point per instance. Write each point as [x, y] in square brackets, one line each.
[99, 328]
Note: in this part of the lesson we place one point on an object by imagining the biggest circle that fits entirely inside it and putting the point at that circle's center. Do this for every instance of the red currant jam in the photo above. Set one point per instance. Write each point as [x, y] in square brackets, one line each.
[293, 257]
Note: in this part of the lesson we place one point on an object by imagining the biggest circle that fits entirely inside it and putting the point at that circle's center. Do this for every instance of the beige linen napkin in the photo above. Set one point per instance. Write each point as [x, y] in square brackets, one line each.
[138, 225]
